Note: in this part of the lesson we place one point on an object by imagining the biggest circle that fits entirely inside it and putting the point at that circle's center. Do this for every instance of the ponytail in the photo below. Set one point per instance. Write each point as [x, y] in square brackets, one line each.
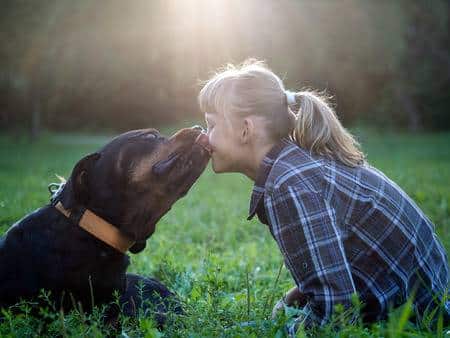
[318, 130]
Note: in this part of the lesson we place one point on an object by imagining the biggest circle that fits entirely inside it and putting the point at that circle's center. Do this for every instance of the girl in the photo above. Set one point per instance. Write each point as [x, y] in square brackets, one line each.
[342, 226]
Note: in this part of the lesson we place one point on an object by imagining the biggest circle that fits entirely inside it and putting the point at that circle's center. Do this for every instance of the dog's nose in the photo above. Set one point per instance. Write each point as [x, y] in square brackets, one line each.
[203, 140]
[197, 127]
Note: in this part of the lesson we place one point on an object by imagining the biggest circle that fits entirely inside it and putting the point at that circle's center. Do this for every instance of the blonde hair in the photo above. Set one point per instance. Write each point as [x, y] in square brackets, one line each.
[253, 89]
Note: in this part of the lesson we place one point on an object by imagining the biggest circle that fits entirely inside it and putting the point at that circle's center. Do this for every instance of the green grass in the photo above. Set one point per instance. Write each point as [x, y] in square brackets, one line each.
[222, 266]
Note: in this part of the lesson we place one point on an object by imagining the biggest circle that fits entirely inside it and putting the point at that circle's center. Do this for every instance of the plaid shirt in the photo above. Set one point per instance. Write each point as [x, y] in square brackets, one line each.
[345, 230]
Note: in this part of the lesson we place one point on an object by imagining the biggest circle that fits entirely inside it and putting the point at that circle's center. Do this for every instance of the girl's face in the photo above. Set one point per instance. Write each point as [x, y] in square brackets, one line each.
[224, 142]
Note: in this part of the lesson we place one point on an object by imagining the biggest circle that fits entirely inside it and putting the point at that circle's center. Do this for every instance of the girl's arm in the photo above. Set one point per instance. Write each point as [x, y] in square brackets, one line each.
[295, 298]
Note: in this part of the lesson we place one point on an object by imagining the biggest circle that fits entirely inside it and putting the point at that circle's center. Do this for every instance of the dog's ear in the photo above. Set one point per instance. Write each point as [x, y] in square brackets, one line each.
[138, 247]
[80, 177]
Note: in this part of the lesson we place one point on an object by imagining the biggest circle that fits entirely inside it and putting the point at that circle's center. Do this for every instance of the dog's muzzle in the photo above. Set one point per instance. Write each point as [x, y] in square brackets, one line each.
[203, 141]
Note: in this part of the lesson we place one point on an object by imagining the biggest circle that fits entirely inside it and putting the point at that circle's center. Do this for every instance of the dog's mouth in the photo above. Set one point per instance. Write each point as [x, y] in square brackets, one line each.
[193, 165]
[176, 189]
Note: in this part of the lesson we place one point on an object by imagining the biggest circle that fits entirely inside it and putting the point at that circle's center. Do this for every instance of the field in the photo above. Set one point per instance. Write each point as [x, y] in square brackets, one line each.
[222, 266]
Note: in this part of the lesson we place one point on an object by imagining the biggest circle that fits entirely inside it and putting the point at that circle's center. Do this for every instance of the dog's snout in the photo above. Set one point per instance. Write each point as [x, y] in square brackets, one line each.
[203, 141]
[198, 127]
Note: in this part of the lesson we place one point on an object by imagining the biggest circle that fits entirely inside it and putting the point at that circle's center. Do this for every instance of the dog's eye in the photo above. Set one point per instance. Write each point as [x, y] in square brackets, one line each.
[150, 136]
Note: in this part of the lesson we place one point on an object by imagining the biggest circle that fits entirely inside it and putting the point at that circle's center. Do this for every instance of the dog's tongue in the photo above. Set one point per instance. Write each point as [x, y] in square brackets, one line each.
[203, 140]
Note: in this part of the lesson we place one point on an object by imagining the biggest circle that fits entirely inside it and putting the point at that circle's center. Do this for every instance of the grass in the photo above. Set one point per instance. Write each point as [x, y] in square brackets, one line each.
[222, 266]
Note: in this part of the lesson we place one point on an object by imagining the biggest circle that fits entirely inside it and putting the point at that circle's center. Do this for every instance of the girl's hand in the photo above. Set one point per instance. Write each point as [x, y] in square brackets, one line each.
[279, 306]
[292, 298]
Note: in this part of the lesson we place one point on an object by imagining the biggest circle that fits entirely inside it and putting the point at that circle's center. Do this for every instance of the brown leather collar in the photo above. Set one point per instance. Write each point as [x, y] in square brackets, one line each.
[101, 229]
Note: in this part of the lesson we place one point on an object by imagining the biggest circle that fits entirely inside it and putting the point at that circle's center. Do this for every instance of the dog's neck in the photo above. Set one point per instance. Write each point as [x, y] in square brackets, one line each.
[100, 228]
[63, 201]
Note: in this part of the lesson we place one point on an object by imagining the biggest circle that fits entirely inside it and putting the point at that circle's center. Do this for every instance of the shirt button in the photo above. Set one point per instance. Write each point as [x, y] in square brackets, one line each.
[305, 266]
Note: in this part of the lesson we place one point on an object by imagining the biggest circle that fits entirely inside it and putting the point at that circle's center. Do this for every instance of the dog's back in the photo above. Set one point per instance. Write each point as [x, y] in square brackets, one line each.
[17, 271]
[45, 251]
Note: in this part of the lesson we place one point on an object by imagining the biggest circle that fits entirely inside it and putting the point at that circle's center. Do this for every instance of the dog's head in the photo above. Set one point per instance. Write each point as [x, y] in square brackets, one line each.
[135, 179]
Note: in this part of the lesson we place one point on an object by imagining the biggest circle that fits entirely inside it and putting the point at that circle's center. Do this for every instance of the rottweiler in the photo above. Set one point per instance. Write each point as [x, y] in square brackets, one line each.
[75, 247]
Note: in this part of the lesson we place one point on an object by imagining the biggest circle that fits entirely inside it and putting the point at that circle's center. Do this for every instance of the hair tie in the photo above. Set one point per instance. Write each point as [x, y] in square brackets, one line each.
[290, 96]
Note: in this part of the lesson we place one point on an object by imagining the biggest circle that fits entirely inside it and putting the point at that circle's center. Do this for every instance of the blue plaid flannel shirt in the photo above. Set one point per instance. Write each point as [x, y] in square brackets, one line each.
[346, 230]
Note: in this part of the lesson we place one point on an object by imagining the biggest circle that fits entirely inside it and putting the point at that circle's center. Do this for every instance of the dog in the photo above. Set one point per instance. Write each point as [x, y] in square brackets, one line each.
[75, 247]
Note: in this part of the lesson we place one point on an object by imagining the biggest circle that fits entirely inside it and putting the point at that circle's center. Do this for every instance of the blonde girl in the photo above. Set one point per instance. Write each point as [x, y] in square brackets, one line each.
[342, 226]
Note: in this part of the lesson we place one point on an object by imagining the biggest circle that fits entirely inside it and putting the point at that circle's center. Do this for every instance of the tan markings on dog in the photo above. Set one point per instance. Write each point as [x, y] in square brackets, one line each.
[142, 169]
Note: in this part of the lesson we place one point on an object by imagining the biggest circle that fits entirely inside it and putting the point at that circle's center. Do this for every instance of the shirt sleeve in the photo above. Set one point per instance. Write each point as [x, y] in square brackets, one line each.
[304, 226]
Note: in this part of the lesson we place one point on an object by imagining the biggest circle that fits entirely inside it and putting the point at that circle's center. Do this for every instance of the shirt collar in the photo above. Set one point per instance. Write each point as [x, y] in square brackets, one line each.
[263, 172]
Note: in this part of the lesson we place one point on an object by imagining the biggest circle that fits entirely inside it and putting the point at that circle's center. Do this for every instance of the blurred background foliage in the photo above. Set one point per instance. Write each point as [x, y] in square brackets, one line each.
[115, 65]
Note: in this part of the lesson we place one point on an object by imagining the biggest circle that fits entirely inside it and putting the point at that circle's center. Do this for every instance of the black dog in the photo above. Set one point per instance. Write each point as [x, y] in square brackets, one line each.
[75, 247]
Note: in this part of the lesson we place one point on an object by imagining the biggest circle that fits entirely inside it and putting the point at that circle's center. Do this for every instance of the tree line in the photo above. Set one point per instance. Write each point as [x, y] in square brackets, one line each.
[118, 65]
